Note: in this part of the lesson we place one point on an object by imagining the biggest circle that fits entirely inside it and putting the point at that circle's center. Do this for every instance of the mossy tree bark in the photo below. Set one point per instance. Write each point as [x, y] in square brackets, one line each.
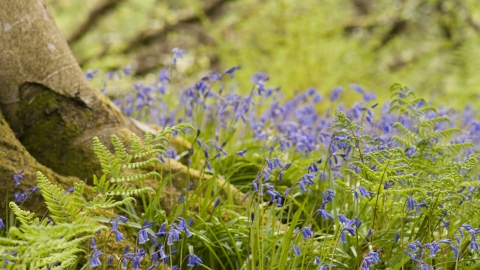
[48, 111]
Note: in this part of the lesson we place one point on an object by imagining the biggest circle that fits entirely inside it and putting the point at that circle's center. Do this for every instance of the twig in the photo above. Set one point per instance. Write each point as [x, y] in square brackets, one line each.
[95, 14]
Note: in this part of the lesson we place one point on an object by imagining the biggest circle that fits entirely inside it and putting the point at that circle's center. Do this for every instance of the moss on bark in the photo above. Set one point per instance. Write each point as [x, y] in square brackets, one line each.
[15, 158]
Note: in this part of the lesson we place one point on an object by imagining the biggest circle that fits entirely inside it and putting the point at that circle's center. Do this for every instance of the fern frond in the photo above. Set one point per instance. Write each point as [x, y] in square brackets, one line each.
[431, 123]
[136, 147]
[120, 150]
[141, 164]
[25, 217]
[457, 147]
[65, 207]
[135, 177]
[412, 136]
[106, 203]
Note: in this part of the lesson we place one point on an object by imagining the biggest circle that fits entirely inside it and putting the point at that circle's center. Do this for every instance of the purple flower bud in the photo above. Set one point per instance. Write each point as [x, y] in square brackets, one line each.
[217, 202]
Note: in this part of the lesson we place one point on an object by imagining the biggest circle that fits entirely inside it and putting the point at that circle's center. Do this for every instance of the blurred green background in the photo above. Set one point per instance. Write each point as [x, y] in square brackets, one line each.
[431, 45]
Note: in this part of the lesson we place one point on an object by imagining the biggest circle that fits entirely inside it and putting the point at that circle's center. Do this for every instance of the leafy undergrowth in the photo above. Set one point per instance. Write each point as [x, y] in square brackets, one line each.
[390, 185]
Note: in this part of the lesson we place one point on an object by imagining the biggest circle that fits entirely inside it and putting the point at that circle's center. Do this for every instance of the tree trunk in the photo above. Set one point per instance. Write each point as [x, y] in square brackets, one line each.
[44, 95]
[48, 110]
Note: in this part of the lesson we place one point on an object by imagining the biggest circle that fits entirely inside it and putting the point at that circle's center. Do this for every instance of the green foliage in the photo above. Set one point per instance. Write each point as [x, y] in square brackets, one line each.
[42, 244]
[56, 243]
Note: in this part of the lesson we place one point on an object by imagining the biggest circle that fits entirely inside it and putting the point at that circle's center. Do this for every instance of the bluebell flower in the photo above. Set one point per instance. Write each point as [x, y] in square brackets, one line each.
[313, 167]
[118, 235]
[343, 237]
[269, 163]
[473, 245]
[153, 266]
[364, 192]
[422, 204]
[350, 230]
[194, 260]
[110, 259]
[307, 233]
[414, 246]
[127, 71]
[241, 152]
[90, 73]
[163, 76]
[255, 186]
[369, 96]
[94, 260]
[34, 189]
[369, 233]
[136, 257]
[173, 236]
[259, 77]
[273, 194]
[330, 194]
[231, 71]
[110, 74]
[171, 153]
[180, 198]
[296, 250]
[2, 225]
[279, 202]
[358, 88]
[413, 256]
[370, 260]
[458, 240]
[215, 76]
[123, 218]
[335, 94]
[70, 190]
[434, 248]
[182, 225]
[355, 193]
[343, 219]
[411, 203]
[160, 157]
[397, 237]
[455, 251]
[143, 233]
[177, 54]
[388, 185]
[20, 197]
[424, 266]
[324, 214]
[277, 163]
[162, 230]
[18, 176]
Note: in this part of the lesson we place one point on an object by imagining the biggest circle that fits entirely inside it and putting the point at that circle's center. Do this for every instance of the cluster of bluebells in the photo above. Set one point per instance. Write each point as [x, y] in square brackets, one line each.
[370, 260]
[291, 123]
[19, 196]
[164, 239]
[295, 125]
[349, 225]
[418, 252]
[262, 183]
